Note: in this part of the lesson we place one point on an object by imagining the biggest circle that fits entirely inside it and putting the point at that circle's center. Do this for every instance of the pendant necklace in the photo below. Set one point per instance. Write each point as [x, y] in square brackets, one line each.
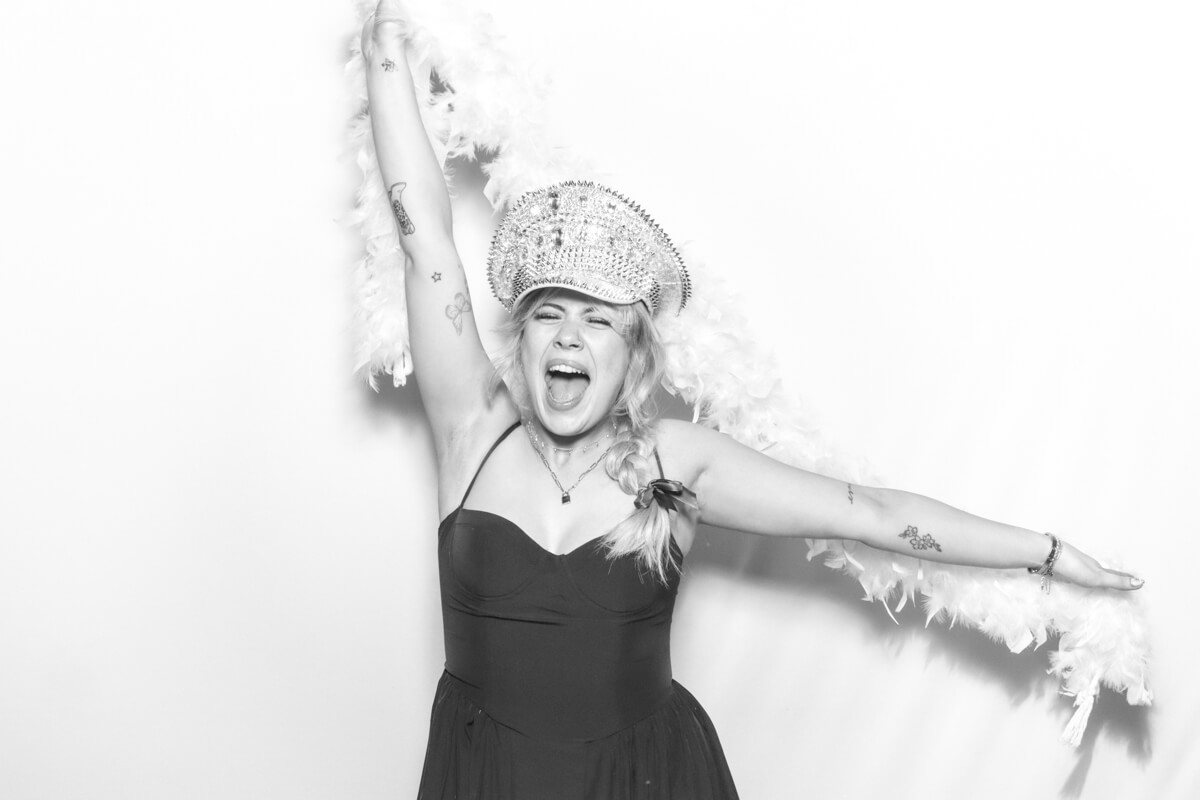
[566, 493]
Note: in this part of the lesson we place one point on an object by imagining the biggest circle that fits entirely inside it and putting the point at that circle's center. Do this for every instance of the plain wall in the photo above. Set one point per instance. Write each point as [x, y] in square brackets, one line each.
[968, 234]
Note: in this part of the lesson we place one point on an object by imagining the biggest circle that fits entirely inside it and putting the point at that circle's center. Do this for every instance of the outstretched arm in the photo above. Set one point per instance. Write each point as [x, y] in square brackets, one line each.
[452, 369]
[740, 488]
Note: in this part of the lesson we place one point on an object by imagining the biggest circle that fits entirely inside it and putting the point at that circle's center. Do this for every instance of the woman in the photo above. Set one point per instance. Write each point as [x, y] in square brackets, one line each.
[568, 508]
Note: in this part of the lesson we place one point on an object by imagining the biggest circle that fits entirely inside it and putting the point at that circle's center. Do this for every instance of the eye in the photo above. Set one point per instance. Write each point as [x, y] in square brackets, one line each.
[546, 315]
[601, 322]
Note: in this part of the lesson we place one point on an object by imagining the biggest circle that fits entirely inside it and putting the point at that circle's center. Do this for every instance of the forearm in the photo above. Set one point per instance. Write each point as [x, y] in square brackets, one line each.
[412, 176]
[741, 488]
[451, 366]
[915, 525]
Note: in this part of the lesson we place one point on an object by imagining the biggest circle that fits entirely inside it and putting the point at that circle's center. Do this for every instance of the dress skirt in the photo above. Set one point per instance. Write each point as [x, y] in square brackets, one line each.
[672, 754]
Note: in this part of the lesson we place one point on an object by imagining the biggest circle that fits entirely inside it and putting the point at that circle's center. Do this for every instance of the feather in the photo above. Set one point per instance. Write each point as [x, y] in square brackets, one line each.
[486, 106]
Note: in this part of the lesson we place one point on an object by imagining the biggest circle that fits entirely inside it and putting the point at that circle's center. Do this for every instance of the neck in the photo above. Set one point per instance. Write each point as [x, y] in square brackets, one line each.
[561, 449]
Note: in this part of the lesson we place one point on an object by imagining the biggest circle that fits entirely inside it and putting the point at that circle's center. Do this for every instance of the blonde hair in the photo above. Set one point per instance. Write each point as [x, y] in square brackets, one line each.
[645, 533]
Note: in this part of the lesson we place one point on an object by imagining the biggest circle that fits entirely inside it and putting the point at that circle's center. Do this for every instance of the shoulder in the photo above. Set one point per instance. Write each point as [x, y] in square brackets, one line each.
[686, 448]
[677, 433]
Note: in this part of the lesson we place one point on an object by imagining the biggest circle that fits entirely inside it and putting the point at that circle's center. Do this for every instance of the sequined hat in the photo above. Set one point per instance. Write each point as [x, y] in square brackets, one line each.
[583, 236]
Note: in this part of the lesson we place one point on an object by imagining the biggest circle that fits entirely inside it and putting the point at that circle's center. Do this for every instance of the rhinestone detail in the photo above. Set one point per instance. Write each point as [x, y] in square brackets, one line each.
[584, 236]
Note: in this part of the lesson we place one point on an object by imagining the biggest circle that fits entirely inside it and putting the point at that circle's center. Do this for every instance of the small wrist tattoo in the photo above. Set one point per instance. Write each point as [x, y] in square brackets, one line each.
[402, 218]
[457, 309]
[388, 65]
[850, 493]
[919, 542]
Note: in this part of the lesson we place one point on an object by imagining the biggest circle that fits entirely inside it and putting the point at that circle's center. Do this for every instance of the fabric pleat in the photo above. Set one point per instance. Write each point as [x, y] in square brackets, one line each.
[672, 754]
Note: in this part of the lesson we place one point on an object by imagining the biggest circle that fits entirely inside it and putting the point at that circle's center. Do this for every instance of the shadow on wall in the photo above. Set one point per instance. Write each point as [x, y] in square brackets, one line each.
[782, 563]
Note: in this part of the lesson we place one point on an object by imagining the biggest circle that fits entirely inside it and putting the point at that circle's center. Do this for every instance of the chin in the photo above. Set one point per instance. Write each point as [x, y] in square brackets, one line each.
[568, 423]
[581, 417]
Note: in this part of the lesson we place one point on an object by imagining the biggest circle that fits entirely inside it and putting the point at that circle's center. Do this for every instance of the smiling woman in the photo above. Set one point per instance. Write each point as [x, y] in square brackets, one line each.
[594, 367]
[574, 356]
[558, 578]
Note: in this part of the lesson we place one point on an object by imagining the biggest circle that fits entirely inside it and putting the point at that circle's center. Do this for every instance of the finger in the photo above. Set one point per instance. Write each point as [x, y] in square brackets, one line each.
[1114, 579]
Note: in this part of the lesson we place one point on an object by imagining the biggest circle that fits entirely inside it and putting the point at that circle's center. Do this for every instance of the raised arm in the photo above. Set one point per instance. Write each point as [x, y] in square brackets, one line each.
[451, 367]
[743, 489]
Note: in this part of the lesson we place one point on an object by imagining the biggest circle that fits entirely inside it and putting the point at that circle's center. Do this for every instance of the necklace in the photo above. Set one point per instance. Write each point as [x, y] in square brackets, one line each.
[583, 448]
[566, 493]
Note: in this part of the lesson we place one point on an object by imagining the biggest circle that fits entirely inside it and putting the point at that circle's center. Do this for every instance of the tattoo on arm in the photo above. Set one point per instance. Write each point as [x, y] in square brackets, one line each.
[918, 541]
[388, 65]
[850, 493]
[457, 309]
[402, 219]
[437, 277]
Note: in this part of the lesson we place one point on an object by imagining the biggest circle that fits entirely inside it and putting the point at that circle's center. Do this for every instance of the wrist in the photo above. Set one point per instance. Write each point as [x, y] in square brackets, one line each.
[1046, 568]
[1037, 550]
[387, 32]
[383, 39]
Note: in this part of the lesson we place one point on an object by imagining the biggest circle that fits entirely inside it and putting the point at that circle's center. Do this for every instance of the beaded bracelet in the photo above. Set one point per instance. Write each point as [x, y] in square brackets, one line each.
[1046, 570]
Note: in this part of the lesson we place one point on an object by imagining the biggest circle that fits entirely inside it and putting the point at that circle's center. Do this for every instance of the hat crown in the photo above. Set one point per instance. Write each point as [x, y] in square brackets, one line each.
[584, 236]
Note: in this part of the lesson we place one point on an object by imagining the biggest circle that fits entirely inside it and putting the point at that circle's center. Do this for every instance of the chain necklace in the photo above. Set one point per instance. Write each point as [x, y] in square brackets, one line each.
[566, 493]
[583, 448]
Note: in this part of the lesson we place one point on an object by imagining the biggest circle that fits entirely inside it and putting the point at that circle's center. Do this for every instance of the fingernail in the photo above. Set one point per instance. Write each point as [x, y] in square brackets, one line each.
[1136, 582]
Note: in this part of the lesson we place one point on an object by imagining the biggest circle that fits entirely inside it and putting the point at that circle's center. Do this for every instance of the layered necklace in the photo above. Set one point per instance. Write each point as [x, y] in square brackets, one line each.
[539, 447]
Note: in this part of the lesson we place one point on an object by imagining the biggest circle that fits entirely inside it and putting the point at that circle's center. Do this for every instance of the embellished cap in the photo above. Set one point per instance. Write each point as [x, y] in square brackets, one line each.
[583, 236]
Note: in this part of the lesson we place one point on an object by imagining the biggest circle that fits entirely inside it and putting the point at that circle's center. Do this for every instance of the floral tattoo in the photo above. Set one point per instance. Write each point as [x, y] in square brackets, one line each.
[918, 541]
[388, 65]
[402, 219]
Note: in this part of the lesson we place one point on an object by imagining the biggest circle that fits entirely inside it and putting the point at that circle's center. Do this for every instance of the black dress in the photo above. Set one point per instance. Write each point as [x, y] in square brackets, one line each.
[558, 676]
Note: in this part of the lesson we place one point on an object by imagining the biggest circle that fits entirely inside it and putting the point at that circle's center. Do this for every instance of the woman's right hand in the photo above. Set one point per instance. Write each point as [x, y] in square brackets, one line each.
[452, 369]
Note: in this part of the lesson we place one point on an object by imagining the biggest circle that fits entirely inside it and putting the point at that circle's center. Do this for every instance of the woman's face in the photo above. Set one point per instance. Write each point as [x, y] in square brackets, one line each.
[574, 360]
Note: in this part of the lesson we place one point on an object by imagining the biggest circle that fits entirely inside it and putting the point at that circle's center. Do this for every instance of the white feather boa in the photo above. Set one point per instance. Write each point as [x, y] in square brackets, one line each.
[490, 106]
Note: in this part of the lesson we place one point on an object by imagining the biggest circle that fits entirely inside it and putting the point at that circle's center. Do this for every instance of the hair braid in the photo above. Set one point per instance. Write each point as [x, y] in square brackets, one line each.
[646, 532]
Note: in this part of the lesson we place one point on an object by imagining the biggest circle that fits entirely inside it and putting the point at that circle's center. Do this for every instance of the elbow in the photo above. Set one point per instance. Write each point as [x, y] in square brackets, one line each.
[874, 514]
[429, 252]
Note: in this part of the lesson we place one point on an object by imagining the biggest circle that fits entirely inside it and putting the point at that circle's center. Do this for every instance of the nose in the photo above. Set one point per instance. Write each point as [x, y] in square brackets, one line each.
[567, 336]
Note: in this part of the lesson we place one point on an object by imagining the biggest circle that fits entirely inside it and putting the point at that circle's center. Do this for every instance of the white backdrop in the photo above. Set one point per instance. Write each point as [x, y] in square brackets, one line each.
[969, 234]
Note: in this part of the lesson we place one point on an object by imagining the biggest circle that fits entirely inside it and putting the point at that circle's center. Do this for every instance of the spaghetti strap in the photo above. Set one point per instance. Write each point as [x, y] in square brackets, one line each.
[658, 461]
[488, 455]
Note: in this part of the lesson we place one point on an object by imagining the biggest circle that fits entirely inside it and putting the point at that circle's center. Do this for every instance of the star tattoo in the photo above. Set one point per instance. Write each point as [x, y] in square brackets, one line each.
[437, 276]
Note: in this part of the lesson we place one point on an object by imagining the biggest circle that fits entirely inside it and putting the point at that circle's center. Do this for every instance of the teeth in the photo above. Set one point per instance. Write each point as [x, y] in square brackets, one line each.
[567, 370]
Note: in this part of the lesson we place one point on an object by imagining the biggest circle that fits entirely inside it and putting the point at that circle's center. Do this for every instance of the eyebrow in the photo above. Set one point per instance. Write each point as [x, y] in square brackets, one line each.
[552, 304]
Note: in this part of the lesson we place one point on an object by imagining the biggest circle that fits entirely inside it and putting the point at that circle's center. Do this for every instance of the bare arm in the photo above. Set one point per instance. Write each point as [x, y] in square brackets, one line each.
[451, 366]
[743, 489]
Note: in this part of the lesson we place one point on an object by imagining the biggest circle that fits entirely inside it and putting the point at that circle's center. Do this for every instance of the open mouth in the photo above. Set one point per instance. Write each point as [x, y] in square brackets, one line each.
[566, 384]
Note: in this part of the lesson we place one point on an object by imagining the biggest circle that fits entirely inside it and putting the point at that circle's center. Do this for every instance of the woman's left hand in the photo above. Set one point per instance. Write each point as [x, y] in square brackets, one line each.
[1079, 568]
[388, 20]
